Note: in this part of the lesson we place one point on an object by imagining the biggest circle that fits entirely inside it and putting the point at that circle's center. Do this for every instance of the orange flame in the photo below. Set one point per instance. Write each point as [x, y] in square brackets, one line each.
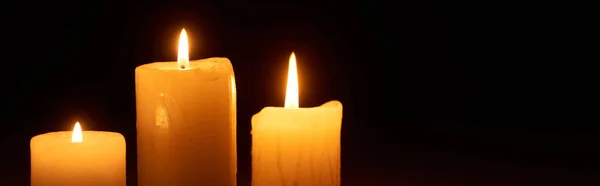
[77, 136]
[183, 59]
[291, 93]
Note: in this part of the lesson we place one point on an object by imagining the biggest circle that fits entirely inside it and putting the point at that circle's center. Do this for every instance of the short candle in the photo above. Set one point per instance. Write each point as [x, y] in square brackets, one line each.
[296, 146]
[76, 158]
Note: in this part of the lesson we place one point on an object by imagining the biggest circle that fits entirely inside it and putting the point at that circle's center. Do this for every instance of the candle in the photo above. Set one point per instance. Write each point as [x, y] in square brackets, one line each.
[296, 146]
[186, 121]
[90, 158]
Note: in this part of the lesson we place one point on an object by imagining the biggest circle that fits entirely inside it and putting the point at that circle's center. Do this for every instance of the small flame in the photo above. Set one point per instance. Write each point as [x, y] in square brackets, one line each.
[77, 136]
[183, 59]
[291, 93]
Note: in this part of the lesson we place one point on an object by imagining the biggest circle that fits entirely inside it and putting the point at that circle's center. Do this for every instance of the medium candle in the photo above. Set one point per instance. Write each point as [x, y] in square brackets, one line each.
[186, 121]
[296, 146]
[76, 158]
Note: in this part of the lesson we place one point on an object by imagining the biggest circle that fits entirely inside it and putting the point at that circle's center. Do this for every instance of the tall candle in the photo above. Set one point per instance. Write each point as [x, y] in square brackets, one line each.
[186, 121]
[90, 158]
[296, 146]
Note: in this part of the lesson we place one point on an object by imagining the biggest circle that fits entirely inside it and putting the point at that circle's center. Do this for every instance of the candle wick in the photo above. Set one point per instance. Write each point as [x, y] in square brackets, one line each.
[182, 66]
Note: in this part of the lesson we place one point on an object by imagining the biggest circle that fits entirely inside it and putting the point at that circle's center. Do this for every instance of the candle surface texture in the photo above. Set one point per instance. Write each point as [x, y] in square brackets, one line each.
[293, 146]
[57, 159]
[186, 123]
[297, 147]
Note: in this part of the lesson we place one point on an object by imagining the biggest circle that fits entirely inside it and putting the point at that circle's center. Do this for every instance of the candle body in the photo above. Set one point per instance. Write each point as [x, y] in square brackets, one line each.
[99, 160]
[299, 147]
[186, 127]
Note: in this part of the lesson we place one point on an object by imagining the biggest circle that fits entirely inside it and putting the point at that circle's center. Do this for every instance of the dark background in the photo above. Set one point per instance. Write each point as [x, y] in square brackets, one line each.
[434, 93]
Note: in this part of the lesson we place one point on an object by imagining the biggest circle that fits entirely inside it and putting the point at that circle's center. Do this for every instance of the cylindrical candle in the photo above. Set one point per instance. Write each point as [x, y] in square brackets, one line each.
[186, 122]
[296, 146]
[66, 158]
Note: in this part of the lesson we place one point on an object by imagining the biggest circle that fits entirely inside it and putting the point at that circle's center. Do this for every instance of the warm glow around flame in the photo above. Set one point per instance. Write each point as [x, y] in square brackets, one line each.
[291, 93]
[183, 59]
[77, 136]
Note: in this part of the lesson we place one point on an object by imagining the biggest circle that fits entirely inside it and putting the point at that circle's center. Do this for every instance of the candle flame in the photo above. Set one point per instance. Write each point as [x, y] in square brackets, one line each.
[291, 93]
[183, 59]
[77, 136]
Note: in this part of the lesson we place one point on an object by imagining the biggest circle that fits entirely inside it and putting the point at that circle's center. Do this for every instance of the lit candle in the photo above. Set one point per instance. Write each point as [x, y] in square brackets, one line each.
[90, 158]
[296, 146]
[186, 121]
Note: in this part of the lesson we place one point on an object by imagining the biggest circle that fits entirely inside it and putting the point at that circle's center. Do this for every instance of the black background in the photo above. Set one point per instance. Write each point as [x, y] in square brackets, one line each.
[434, 93]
